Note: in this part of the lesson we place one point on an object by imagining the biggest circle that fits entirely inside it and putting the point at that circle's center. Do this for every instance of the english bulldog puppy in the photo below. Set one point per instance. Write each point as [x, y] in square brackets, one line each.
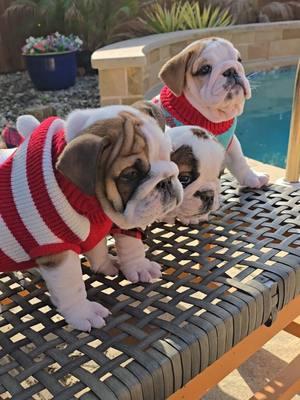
[206, 86]
[200, 159]
[66, 186]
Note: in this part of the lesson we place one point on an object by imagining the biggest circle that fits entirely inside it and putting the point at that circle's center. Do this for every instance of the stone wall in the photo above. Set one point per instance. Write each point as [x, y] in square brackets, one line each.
[128, 70]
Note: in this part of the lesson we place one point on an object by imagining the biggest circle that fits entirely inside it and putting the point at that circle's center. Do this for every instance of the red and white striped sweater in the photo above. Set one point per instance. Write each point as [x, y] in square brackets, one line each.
[41, 212]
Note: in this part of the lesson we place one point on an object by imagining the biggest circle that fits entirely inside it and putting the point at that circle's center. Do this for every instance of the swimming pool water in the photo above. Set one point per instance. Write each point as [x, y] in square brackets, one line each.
[263, 129]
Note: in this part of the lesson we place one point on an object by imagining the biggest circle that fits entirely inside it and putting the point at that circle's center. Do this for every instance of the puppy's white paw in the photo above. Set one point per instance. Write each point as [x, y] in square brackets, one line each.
[109, 266]
[194, 220]
[255, 180]
[143, 271]
[87, 315]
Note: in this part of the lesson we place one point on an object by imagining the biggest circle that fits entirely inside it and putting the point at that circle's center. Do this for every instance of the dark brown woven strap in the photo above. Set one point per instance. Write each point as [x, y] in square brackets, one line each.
[221, 281]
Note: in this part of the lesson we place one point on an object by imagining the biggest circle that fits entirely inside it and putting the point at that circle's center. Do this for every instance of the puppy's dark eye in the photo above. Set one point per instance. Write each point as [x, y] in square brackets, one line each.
[204, 70]
[129, 174]
[239, 59]
[185, 179]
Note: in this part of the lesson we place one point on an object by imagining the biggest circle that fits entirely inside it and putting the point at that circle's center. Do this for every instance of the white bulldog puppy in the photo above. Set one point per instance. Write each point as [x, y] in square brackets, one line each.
[206, 86]
[64, 188]
[200, 160]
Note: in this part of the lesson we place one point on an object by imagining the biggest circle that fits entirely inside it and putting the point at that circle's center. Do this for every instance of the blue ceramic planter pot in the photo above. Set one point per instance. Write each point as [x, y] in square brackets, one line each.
[52, 71]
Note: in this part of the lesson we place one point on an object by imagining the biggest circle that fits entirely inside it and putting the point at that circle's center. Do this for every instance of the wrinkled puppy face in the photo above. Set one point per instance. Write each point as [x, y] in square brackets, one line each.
[121, 155]
[200, 159]
[210, 74]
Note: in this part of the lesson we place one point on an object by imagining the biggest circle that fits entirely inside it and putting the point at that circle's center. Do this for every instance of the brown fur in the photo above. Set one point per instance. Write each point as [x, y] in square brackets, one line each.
[200, 133]
[184, 158]
[173, 72]
[151, 109]
[95, 159]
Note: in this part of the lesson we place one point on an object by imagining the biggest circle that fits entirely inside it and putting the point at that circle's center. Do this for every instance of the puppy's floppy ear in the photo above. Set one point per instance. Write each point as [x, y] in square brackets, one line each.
[79, 160]
[173, 71]
[151, 109]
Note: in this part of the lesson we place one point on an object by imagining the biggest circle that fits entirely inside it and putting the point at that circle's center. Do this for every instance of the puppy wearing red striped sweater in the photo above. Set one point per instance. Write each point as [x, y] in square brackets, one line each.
[68, 185]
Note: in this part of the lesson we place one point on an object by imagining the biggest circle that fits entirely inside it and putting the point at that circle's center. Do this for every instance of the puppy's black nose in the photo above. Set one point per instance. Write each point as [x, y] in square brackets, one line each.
[230, 73]
[207, 197]
[165, 185]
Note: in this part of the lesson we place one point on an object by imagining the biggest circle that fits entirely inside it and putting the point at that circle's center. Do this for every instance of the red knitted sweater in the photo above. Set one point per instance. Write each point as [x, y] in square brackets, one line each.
[180, 109]
[41, 212]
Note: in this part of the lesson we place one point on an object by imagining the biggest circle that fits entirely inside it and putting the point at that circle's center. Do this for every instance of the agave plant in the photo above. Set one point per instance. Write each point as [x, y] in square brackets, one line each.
[163, 19]
[185, 16]
[208, 17]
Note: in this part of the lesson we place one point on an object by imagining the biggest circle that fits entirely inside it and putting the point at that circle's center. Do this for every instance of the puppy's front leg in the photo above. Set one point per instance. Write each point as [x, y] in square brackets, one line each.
[101, 261]
[133, 263]
[237, 165]
[63, 276]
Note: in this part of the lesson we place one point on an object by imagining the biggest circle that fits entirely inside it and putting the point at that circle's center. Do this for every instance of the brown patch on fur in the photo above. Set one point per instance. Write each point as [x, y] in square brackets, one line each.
[151, 109]
[130, 178]
[200, 133]
[184, 158]
[94, 160]
[173, 72]
[128, 147]
[78, 162]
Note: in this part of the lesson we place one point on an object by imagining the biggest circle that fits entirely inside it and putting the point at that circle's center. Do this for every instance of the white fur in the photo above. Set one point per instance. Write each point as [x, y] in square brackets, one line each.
[237, 165]
[146, 205]
[101, 261]
[64, 281]
[133, 263]
[68, 294]
[210, 100]
[210, 156]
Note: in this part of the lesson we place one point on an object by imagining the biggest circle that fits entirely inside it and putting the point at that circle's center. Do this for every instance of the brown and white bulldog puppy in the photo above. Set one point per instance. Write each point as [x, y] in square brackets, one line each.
[206, 86]
[200, 159]
[70, 182]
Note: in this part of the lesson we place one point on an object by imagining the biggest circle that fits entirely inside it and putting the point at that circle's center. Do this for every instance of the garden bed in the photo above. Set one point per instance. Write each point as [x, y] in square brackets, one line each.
[17, 95]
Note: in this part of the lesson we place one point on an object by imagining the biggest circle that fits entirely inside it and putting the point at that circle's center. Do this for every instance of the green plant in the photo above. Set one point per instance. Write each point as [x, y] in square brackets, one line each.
[100, 21]
[208, 17]
[96, 21]
[164, 19]
[180, 16]
[39, 16]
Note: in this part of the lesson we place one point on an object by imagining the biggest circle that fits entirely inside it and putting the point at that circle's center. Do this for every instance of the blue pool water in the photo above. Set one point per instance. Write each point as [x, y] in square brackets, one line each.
[263, 129]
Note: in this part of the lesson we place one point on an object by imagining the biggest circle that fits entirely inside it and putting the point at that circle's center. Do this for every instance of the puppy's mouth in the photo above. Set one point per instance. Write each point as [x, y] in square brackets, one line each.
[169, 194]
[234, 86]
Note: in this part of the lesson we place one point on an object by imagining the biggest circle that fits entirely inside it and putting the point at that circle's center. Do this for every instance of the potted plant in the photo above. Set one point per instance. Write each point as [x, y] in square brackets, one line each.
[51, 60]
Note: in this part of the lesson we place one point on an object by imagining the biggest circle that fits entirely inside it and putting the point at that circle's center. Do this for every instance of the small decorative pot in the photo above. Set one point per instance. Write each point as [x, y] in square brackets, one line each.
[52, 71]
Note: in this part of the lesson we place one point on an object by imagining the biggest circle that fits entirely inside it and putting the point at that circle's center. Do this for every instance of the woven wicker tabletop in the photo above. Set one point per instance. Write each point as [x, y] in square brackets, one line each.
[221, 281]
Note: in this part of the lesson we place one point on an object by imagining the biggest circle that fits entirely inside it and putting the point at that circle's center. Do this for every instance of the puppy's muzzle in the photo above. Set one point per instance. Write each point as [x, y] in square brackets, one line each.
[166, 187]
[233, 78]
[207, 198]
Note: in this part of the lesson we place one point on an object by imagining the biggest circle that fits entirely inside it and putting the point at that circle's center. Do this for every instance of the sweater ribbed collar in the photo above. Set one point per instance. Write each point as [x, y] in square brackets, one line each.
[184, 112]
